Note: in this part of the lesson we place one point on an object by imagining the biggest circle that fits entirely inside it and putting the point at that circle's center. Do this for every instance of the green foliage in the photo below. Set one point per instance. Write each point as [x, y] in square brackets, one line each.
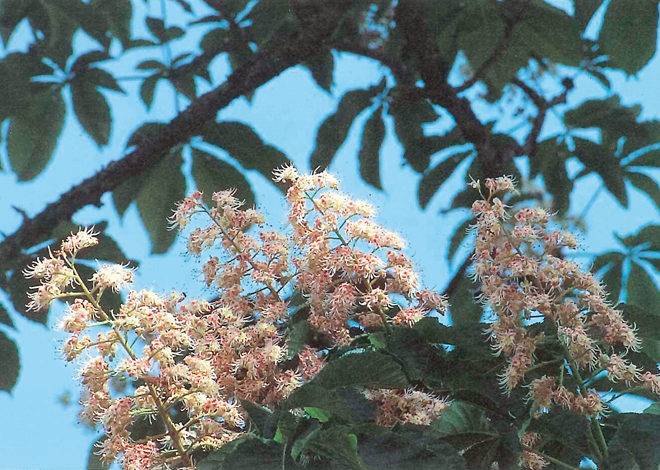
[328, 423]
[9, 363]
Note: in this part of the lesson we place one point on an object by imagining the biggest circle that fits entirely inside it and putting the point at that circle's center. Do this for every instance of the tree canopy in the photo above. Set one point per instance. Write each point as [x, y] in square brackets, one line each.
[441, 62]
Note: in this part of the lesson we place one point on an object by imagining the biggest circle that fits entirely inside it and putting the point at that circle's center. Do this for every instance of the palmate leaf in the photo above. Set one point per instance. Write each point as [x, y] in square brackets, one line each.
[249, 454]
[467, 428]
[598, 159]
[636, 444]
[92, 111]
[322, 66]
[646, 184]
[614, 274]
[156, 194]
[244, 145]
[369, 369]
[29, 155]
[409, 117]
[336, 443]
[434, 178]
[334, 129]
[584, 11]
[458, 237]
[5, 319]
[550, 161]
[629, 33]
[9, 363]
[373, 136]
[407, 449]
[641, 290]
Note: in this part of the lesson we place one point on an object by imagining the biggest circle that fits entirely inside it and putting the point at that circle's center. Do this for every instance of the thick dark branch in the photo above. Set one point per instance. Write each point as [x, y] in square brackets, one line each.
[434, 68]
[283, 51]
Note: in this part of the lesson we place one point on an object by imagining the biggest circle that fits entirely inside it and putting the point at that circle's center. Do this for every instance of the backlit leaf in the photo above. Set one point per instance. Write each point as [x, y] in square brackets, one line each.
[243, 144]
[92, 111]
[598, 159]
[321, 67]
[641, 290]
[29, 155]
[369, 155]
[9, 363]
[434, 178]
[211, 174]
[629, 33]
[334, 129]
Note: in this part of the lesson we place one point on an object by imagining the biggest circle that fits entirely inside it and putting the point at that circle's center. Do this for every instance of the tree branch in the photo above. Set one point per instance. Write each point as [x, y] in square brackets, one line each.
[434, 68]
[542, 106]
[284, 50]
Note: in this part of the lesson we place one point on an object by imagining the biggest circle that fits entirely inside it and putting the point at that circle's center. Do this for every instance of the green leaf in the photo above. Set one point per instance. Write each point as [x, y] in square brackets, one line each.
[649, 234]
[433, 179]
[608, 114]
[267, 17]
[29, 154]
[5, 319]
[463, 306]
[550, 161]
[336, 443]
[19, 90]
[101, 78]
[321, 67]
[249, 454]
[654, 409]
[613, 276]
[629, 33]
[549, 32]
[641, 290]
[12, 13]
[117, 15]
[156, 193]
[83, 61]
[598, 159]
[243, 144]
[370, 369]
[409, 117]
[296, 339]
[636, 444]
[184, 84]
[147, 89]
[9, 363]
[92, 111]
[94, 461]
[259, 415]
[311, 395]
[646, 184]
[212, 174]
[162, 188]
[409, 451]
[584, 11]
[334, 129]
[369, 155]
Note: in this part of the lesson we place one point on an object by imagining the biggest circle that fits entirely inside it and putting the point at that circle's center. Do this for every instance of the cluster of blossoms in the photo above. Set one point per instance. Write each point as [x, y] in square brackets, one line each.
[525, 281]
[192, 363]
[409, 406]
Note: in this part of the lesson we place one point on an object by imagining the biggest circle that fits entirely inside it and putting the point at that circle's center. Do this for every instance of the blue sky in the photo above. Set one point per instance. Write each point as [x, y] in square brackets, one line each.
[39, 431]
